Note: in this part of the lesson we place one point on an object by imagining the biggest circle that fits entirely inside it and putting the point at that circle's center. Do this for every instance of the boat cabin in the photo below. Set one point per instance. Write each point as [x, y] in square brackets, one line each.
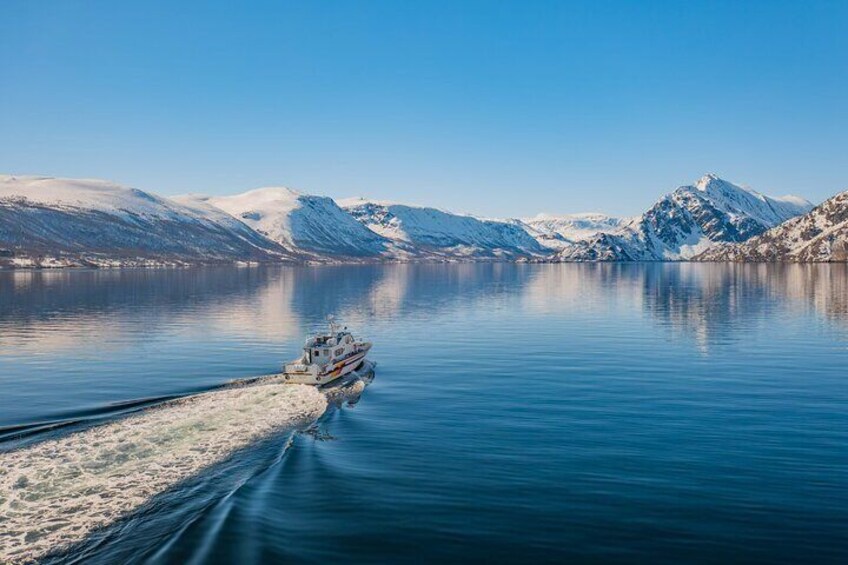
[323, 349]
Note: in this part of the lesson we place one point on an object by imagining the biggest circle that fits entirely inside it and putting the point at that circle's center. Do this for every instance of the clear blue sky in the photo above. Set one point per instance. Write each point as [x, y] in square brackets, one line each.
[497, 108]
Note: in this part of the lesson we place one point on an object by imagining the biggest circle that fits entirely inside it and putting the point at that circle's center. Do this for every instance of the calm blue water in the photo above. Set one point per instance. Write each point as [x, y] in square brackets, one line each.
[627, 413]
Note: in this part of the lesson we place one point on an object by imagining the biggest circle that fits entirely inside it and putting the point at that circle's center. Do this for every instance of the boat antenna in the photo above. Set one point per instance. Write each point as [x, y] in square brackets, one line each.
[332, 321]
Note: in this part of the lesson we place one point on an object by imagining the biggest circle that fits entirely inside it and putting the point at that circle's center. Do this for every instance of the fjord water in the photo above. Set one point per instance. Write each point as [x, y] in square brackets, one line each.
[655, 412]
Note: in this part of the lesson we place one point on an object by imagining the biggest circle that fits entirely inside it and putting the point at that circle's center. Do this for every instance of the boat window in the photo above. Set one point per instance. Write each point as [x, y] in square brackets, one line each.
[317, 353]
[326, 352]
[338, 351]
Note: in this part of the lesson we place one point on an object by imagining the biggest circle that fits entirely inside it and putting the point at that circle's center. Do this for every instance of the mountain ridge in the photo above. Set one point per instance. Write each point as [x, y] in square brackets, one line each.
[437, 233]
[821, 235]
[687, 221]
[312, 226]
[46, 221]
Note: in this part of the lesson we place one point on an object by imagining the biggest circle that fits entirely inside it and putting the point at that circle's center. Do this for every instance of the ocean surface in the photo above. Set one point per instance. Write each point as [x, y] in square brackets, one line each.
[518, 413]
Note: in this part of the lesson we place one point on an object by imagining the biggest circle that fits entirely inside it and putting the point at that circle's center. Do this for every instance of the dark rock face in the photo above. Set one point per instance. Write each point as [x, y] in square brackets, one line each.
[604, 247]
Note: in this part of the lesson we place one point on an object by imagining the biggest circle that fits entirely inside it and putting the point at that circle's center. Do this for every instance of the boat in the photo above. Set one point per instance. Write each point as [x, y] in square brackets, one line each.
[327, 357]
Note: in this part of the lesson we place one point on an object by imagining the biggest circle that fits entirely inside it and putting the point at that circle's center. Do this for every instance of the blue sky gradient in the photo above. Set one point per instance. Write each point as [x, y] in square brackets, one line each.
[495, 108]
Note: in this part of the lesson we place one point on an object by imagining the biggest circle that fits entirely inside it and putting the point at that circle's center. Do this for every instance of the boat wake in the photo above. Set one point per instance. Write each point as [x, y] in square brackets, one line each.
[57, 493]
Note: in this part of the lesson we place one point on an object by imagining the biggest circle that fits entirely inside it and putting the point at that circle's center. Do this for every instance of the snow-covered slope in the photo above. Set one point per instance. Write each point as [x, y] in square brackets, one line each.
[689, 221]
[302, 223]
[57, 221]
[432, 232]
[558, 232]
[821, 235]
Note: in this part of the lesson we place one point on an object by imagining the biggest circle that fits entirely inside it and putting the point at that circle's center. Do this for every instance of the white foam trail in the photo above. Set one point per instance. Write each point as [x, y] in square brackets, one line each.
[56, 493]
[350, 391]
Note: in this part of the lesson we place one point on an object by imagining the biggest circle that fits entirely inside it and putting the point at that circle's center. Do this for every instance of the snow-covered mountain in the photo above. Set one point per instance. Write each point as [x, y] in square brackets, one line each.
[818, 236]
[687, 222]
[428, 232]
[558, 232]
[314, 226]
[54, 221]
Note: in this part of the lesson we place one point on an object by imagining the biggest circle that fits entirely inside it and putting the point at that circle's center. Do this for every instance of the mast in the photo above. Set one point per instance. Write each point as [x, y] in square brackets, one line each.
[333, 327]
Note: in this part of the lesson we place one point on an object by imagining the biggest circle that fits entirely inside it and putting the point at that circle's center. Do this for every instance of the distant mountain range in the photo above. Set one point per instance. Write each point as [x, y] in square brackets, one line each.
[50, 222]
[559, 232]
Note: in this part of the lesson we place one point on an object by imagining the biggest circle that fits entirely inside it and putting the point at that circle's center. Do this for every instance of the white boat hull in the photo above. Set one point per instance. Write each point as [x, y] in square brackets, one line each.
[335, 371]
